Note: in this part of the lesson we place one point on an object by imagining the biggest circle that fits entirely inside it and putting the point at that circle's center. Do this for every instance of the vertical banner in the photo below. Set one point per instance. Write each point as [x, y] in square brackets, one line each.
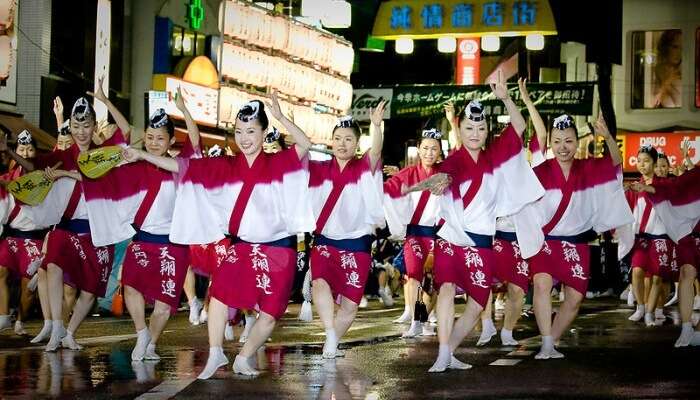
[468, 61]
[102, 48]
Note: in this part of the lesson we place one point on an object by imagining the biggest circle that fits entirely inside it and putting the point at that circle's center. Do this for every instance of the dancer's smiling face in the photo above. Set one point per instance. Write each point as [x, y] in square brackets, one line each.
[564, 144]
[249, 136]
[473, 133]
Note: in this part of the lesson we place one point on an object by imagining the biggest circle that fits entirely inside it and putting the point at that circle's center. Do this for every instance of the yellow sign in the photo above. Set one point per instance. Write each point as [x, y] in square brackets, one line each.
[30, 188]
[97, 162]
[430, 19]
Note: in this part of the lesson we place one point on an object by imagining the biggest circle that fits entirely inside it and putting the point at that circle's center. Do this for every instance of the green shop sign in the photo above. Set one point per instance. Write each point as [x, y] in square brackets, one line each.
[575, 98]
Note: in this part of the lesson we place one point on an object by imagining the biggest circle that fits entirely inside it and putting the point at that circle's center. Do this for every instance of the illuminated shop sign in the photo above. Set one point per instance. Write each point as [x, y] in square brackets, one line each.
[431, 18]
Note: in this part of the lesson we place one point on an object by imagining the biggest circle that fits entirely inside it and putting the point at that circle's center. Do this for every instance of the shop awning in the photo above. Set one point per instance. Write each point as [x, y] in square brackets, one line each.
[14, 124]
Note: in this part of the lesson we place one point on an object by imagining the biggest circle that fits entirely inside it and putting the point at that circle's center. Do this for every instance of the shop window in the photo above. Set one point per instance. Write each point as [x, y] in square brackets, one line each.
[656, 69]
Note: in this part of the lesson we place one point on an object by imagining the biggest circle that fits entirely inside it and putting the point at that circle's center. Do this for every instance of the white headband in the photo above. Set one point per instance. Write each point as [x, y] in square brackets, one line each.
[24, 138]
[249, 111]
[475, 111]
[432, 134]
[158, 119]
[563, 121]
[215, 151]
[81, 110]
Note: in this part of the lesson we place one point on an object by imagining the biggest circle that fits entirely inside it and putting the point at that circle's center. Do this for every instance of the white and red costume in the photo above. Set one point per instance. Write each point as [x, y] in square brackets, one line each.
[511, 265]
[347, 206]
[412, 216]
[86, 265]
[261, 208]
[499, 183]
[677, 204]
[143, 197]
[653, 249]
[591, 199]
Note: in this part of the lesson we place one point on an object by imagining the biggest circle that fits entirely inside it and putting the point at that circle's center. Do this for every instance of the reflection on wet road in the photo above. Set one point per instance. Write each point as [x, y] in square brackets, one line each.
[606, 357]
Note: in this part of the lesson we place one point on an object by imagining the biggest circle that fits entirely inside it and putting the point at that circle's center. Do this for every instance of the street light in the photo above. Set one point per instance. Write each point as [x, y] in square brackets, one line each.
[404, 46]
[447, 44]
[534, 41]
[490, 43]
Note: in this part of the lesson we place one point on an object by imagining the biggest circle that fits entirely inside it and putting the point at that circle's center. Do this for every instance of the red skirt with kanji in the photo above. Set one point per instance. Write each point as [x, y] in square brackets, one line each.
[17, 253]
[509, 266]
[84, 266]
[344, 271]
[415, 252]
[469, 268]
[565, 262]
[204, 259]
[157, 271]
[255, 276]
[655, 257]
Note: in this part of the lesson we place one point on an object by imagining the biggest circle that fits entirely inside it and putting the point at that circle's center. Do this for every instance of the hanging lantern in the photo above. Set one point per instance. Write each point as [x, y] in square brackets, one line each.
[490, 43]
[404, 46]
[338, 15]
[447, 45]
[534, 41]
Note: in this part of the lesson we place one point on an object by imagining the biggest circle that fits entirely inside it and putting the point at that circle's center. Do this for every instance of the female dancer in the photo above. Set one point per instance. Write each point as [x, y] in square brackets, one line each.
[347, 204]
[21, 244]
[677, 204]
[414, 217]
[258, 200]
[64, 139]
[511, 268]
[662, 170]
[485, 184]
[592, 187]
[154, 268]
[70, 253]
[653, 249]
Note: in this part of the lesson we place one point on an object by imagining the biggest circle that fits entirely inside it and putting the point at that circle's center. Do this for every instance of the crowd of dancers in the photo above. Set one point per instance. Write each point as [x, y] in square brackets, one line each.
[491, 213]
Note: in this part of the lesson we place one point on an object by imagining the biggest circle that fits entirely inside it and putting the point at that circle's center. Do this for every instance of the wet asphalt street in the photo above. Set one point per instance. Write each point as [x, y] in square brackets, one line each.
[606, 357]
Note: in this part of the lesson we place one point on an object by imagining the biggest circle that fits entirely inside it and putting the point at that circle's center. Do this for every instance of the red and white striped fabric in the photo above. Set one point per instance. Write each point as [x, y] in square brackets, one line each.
[400, 209]
[278, 205]
[45, 214]
[677, 203]
[115, 199]
[358, 211]
[506, 181]
[594, 194]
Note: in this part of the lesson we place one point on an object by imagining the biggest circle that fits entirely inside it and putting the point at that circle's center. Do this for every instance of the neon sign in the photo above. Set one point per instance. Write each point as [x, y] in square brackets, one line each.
[195, 12]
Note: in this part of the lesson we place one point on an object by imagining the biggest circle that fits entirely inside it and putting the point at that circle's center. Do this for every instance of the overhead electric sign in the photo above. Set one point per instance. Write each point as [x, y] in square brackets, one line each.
[429, 19]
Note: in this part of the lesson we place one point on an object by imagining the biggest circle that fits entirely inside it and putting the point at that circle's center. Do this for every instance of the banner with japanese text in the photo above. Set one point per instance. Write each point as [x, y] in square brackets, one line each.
[575, 98]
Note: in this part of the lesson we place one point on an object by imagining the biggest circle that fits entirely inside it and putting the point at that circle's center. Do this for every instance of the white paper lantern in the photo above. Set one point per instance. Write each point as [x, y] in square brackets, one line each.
[534, 41]
[447, 45]
[404, 46]
[490, 43]
[338, 15]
